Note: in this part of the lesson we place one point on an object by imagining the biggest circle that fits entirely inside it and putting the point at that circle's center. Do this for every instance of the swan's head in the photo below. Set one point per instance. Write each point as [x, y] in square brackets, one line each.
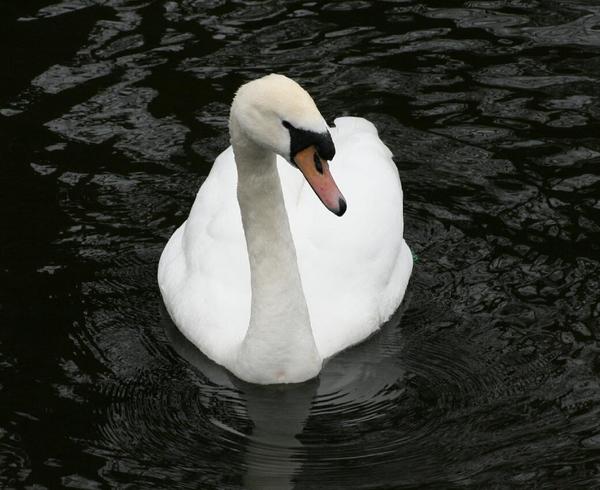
[277, 114]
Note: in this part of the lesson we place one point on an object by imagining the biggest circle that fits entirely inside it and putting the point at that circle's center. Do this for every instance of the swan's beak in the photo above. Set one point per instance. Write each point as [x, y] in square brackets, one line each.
[317, 174]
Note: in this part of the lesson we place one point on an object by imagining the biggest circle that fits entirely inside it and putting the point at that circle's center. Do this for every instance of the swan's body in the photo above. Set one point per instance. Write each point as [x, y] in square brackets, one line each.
[262, 277]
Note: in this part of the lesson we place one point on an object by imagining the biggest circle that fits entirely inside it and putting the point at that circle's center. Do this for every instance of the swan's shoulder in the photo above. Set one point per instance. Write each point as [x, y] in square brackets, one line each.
[213, 218]
[349, 125]
[350, 129]
[362, 151]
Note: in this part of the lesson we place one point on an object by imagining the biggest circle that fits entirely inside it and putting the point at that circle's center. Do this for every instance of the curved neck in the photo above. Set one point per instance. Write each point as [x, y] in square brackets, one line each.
[279, 346]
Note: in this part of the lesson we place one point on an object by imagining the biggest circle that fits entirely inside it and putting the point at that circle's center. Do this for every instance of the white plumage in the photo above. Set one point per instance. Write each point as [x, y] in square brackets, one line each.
[354, 269]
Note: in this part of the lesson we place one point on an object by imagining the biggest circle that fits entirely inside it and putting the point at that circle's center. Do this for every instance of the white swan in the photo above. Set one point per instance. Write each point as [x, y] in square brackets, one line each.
[266, 281]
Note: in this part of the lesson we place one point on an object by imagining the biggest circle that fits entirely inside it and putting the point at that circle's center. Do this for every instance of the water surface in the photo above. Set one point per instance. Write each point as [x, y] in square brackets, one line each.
[111, 114]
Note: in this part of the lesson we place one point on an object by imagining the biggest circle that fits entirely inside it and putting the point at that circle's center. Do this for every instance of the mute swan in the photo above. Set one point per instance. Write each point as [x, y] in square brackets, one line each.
[261, 277]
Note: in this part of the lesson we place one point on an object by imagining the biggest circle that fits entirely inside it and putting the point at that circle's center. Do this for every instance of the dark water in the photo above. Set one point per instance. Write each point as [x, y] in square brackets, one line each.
[111, 113]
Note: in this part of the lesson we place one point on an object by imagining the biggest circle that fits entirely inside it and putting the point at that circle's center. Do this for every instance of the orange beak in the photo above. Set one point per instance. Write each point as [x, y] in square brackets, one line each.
[317, 174]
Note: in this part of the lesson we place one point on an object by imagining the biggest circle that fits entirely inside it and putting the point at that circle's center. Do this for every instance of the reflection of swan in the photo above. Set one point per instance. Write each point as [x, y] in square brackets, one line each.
[274, 454]
[267, 283]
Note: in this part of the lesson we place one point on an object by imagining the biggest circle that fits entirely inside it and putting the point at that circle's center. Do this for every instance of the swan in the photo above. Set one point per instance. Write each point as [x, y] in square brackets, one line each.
[275, 269]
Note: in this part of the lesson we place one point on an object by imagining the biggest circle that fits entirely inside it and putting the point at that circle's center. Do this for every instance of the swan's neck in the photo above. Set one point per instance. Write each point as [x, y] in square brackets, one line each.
[279, 345]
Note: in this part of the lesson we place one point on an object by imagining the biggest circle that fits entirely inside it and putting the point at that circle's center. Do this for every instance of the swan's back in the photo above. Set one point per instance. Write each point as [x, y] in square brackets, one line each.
[354, 269]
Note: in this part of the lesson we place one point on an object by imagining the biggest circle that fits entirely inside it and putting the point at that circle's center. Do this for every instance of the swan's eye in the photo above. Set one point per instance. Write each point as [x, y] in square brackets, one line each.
[318, 164]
